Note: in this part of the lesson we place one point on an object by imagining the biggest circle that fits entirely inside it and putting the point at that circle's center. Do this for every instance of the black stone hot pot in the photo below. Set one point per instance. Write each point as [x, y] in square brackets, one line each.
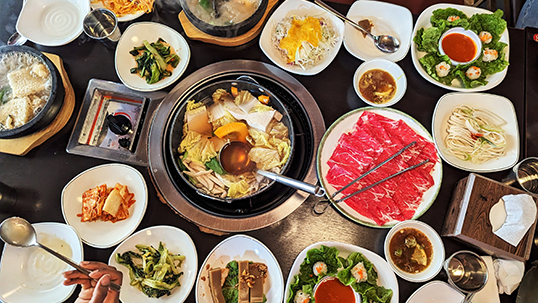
[227, 31]
[54, 103]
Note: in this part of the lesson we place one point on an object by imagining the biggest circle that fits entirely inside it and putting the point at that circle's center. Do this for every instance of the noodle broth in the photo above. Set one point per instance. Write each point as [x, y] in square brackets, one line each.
[25, 88]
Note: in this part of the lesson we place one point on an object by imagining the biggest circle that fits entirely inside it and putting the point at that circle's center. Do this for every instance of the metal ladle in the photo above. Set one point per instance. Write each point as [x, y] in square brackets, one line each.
[384, 43]
[19, 232]
[245, 164]
[16, 39]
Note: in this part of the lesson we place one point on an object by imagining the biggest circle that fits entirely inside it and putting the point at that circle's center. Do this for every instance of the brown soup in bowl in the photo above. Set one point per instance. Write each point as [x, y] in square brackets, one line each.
[411, 250]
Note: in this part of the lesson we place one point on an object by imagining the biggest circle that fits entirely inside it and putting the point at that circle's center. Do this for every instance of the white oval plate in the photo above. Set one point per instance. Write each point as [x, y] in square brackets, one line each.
[438, 251]
[241, 247]
[18, 285]
[345, 124]
[102, 234]
[424, 21]
[436, 291]
[388, 19]
[497, 104]
[124, 18]
[133, 36]
[300, 8]
[386, 277]
[177, 242]
[52, 22]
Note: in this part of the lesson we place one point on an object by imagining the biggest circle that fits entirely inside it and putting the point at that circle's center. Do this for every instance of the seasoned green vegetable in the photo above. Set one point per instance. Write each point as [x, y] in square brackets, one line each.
[155, 272]
[152, 60]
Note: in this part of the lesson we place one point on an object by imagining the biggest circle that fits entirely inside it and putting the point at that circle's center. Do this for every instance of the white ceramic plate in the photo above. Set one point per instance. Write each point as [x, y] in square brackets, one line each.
[102, 234]
[345, 124]
[436, 291]
[177, 242]
[388, 19]
[423, 21]
[52, 22]
[241, 247]
[133, 36]
[124, 18]
[299, 8]
[438, 254]
[497, 104]
[386, 277]
[21, 282]
[393, 69]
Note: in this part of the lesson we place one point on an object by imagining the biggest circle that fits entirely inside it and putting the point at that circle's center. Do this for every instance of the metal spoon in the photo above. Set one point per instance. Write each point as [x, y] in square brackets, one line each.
[16, 39]
[232, 149]
[19, 232]
[384, 43]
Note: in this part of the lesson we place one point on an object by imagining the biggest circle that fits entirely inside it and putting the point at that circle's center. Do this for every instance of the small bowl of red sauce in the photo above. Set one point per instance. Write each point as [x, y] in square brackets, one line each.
[331, 290]
[460, 45]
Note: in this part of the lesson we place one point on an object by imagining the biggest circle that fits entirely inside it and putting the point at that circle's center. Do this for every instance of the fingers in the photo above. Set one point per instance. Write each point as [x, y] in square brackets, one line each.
[101, 290]
[85, 282]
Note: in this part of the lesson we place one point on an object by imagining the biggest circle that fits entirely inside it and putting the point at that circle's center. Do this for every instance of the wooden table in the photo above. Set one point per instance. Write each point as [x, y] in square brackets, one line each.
[40, 175]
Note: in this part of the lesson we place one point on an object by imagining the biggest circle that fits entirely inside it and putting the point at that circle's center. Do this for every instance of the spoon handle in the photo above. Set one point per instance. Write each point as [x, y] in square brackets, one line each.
[300, 185]
[113, 286]
[339, 15]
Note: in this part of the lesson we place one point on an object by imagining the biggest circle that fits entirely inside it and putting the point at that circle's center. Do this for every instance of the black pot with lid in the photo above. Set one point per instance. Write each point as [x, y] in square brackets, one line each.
[210, 16]
[53, 104]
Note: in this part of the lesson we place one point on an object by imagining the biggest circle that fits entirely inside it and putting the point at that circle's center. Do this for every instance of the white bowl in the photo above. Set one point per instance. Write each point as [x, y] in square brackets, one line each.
[177, 242]
[133, 36]
[499, 105]
[468, 33]
[299, 8]
[389, 19]
[102, 234]
[423, 21]
[52, 22]
[438, 255]
[436, 291]
[385, 276]
[393, 69]
[19, 283]
[241, 247]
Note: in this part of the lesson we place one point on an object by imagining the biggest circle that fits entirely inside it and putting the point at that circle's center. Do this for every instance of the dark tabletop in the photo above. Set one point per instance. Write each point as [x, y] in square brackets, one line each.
[40, 176]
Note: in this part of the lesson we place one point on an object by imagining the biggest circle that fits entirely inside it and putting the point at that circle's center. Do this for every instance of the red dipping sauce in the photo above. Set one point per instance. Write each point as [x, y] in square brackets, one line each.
[333, 291]
[459, 47]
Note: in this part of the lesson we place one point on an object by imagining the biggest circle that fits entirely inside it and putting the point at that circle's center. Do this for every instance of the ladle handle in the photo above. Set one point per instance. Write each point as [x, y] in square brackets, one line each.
[112, 285]
[344, 18]
[469, 297]
[306, 187]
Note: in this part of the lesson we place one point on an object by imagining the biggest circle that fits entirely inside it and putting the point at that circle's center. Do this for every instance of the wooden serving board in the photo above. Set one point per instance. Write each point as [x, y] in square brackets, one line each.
[22, 145]
[467, 218]
[196, 34]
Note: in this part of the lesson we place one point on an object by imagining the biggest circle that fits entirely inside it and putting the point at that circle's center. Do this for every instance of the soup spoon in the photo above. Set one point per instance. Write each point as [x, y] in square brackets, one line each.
[384, 43]
[16, 39]
[20, 233]
[237, 150]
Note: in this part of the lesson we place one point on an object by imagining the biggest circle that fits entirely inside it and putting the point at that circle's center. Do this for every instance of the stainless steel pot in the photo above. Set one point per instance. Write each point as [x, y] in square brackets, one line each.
[203, 95]
[54, 103]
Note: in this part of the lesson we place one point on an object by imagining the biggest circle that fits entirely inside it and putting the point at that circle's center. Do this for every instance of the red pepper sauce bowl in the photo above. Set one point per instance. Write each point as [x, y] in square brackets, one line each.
[331, 290]
[460, 45]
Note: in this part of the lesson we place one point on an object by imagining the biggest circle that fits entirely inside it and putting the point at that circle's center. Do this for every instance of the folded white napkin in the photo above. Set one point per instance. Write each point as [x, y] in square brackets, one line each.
[519, 213]
[509, 274]
[490, 293]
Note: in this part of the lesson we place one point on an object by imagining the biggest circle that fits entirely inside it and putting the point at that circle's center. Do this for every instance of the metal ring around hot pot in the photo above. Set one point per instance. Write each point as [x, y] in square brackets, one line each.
[157, 149]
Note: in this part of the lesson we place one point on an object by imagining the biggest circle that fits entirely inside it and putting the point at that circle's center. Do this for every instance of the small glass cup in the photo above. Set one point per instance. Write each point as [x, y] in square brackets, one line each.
[525, 173]
[102, 24]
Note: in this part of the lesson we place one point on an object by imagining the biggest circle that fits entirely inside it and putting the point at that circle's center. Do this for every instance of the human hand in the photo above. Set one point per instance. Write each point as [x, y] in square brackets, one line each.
[95, 292]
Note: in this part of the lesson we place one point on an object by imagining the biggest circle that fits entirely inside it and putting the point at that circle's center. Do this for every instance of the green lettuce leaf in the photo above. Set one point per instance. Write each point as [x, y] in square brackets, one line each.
[428, 40]
[429, 62]
[492, 23]
[233, 275]
[439, 18]
[215, 166]
[328, 255]
[355, 258]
